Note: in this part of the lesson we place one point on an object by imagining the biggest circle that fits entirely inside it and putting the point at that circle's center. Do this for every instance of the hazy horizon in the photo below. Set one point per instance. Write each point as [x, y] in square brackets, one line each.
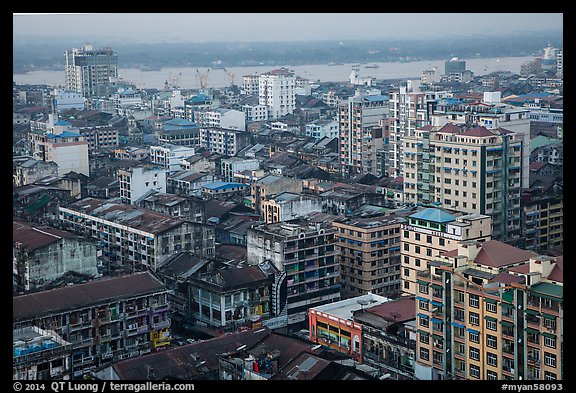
[270, 27]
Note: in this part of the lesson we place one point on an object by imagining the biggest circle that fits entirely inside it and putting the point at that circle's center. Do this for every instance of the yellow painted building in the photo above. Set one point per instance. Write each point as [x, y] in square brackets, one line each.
[490, 311]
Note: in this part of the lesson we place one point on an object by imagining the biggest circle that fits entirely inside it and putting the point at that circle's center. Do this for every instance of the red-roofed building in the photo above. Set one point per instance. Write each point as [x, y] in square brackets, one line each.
[501, 303]
[461, 168]
[389, 336]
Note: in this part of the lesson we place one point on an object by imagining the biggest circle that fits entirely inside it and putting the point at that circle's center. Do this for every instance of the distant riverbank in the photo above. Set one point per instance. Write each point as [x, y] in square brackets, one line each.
[189, 77]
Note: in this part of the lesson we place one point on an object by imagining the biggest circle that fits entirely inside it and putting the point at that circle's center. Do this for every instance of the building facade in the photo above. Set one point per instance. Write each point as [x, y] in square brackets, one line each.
[475, 171]
[304, 251]
[137, 182]
[169, 157]
[333, 324]
[288, 206]
[360, 132]
[42, 255]
[232, 165]
[132, 238]
[223, 141]
[104, 320]
[40, 354]
[368, 250]
[491, 312]
[87, 67]
[430, 232]
[276, 92]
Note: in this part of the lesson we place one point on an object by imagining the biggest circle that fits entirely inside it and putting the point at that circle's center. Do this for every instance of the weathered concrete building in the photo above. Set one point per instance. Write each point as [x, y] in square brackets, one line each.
[304, 251]
[288, 206]
[187, 208]
[40, 354]
[135, 238]
[105, 320]
[42, 255]
[27, 170]
[271, 185]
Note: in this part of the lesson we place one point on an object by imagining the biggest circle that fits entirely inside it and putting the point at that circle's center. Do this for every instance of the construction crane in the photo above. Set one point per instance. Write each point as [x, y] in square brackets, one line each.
[231, 76]
[203, 78]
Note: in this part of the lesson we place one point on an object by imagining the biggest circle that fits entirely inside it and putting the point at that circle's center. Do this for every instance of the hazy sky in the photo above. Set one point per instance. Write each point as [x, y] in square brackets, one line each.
[203, 27]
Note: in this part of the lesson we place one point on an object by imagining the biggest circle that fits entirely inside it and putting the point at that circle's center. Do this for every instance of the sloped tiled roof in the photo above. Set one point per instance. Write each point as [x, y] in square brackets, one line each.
[497, 254]
[451, 128]
[32, 238]
[401, 310]
[557, 273]
[478, 132]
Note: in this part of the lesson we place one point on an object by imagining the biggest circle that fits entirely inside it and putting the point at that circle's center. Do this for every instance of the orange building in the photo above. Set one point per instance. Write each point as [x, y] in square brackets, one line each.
[332, 324]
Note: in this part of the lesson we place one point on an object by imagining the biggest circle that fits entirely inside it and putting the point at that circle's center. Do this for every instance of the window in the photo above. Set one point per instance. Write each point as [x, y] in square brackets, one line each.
[473, 319]
[406, 272]
[423, 288]
[424, 338]
[429, 252]
[474, 353]
[492, 359]
[406, 247]
[549, 342]
[417, 249]
[417, 262]
[474, 337]
[417, 236]
[550, 359]
[491, 376]
[550, 323]
[441, 241]
[491, 341]
[429, 239]
[424, 354]
[424, 322]
[549, 376]
[406, 235]
[474, 371]
[406, 259]
[473, 301]
[491, 307]
[423, 305]
[406, 285]
[490, 325]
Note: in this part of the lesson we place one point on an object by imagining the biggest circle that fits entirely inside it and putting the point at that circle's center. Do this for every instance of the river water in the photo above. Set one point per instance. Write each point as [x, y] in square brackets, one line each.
[189, 77]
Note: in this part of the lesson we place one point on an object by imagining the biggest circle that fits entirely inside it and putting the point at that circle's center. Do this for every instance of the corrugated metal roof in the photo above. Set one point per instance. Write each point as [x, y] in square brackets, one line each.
[432, 214]
[35, 305]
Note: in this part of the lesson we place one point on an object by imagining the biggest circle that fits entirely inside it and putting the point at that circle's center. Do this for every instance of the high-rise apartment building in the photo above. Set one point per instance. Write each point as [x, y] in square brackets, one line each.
[369, 255]
[360, 132]
[250, 84]
[491, 114]
[408, 109]
[474, 170]
[303, 250]
[276, 91]
[490, 311]
[454, 65]
[430, 232]
[88, 67]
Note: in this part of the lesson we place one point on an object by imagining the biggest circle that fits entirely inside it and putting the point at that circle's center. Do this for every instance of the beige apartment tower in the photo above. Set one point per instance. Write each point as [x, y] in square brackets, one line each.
[430, 232]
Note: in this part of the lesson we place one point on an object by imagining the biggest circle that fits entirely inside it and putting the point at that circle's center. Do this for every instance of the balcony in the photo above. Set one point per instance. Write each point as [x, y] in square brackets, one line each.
[161, 325]
[533, 360]
[508, 349]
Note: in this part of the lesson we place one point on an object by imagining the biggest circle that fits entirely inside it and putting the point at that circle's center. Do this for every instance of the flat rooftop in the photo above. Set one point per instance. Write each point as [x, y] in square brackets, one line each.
[345, 308]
